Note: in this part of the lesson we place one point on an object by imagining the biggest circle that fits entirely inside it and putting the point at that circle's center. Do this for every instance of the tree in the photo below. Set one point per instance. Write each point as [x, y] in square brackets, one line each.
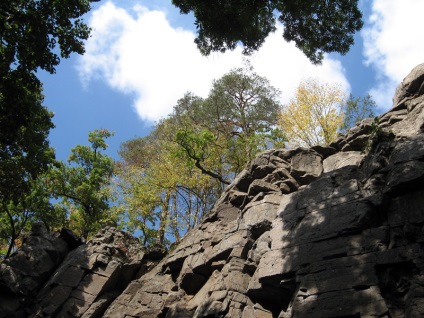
[314, 115]
[32, 29]
[31, 32]
[139, 189]
[138, 202]
[316, 27]
[25, 153]
[82, 185]
[33, 35]
[226, 130]
[24, 148]
[170, 178]
[161, 196]
[356, 109]
[18, 216]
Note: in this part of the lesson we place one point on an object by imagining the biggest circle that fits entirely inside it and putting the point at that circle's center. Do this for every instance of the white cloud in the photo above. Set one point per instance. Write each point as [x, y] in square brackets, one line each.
[393, 44]
[138, 52]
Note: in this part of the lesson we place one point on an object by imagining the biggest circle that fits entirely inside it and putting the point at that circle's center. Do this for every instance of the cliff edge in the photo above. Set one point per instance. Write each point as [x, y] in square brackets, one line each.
[333, 231]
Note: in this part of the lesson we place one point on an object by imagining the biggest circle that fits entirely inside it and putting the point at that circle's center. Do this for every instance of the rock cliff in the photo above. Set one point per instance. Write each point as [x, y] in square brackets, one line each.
[333, 231]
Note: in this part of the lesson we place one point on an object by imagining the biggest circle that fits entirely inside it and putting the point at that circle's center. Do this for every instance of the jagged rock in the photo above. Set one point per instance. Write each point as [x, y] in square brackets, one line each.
[324, 151]
[88, 279]
[331, 231]
[92, 275]
[345, 244]
[25, 271]
[70, 238]
[412, 86]
[306, 166]
[258, 186]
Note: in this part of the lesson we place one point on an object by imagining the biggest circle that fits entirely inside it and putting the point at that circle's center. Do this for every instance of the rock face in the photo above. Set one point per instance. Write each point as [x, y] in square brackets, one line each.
[54, 275]
[23, 274]
[334, 231]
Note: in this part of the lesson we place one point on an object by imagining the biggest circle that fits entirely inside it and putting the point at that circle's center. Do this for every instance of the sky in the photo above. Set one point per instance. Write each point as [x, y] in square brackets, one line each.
[141, 58]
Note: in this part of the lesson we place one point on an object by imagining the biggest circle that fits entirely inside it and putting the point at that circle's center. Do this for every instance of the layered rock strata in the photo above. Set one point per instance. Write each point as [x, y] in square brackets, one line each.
[333, 231]
[70, 279]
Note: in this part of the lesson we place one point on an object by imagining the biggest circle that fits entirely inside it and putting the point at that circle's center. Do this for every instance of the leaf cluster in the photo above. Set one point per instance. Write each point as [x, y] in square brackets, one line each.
[33, 33]
[160, 195]
[356, 109]
[314, 115]
[316, 27]
[32, 29]
[82, 184]
[319, 111]
[25, 124]
[221, 133]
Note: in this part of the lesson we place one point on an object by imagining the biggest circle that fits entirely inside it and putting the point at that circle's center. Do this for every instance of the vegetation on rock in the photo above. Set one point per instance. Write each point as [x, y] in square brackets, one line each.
[320, 111]
[82, 185]
[34, 35]
[167, 180]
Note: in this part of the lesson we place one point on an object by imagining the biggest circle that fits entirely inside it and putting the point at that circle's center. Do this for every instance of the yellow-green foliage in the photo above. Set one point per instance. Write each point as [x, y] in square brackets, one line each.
[314, 115]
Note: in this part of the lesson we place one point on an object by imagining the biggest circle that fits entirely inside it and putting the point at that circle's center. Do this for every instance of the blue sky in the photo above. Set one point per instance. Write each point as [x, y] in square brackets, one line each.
[141, 59]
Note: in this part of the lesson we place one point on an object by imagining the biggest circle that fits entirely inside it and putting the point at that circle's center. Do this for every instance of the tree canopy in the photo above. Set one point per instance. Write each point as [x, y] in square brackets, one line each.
[82, 184]
[316, 27]
[221, 133]
[25, 124]
[161, 196]
[34, 35]
[319, 111]
[75, 194]
[314, 115]
[357, 108]
[32, 29]
[168, 179]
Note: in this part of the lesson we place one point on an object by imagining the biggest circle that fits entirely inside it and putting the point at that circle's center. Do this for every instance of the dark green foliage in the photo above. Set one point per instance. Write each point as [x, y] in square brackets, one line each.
[32, 29]
[17, 217]
[222, 24]
[315, 26]
[30, 33]
[82, 184]
[319, 27]
[221, 133]
[24, 127]
[34, 34]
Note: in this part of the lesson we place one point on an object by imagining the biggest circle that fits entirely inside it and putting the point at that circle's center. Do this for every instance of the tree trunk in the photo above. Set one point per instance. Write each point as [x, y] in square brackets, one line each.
[175, 221]
[13, 235]
[160, 239]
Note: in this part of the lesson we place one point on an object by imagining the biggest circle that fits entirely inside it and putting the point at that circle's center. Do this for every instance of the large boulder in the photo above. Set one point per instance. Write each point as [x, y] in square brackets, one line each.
[26, 271]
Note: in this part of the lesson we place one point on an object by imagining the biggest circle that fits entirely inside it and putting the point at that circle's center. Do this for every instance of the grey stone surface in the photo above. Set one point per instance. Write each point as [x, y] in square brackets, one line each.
[25, 272]
[328, 245]
[82, 282]
[411, 86]
[342, 159]
[325, 232]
